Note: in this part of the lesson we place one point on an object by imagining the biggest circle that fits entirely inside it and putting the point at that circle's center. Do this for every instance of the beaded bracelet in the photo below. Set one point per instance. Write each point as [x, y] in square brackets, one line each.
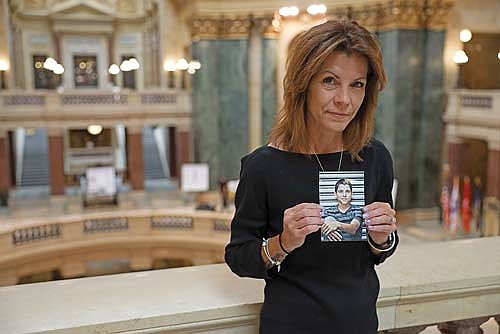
[265, 245]
[391, 242]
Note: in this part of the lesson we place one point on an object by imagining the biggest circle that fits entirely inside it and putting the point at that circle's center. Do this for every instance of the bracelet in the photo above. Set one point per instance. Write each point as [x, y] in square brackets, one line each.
[281, 245]
[265, 245]
[382, 248]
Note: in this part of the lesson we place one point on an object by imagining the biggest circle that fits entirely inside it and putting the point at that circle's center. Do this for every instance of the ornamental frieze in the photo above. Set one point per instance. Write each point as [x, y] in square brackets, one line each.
[223, 27]
[227, 27]
[397, 14]
[378, 16]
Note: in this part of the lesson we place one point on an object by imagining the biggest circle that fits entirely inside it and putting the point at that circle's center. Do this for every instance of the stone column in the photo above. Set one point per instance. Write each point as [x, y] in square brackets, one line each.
[5, 168]
[56, 161]
[172, 151]
[183, 148]
[5, 162]
[455, 158]
[493, 186]
[491, 205]
[254, 89]
[135, 157]
[269, 88]
[220, 95]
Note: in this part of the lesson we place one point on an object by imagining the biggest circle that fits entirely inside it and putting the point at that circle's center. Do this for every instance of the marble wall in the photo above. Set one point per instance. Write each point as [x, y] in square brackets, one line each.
[410, 109]
[408, 119]
[220, 104]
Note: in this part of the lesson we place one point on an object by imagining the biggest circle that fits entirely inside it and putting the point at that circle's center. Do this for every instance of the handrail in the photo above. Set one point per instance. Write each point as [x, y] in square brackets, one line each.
[421, 285]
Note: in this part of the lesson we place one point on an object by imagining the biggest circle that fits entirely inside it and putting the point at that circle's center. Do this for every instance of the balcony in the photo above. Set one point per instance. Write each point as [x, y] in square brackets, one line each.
[473, 113]
[421, 285]
[68, 243]
[79, 108]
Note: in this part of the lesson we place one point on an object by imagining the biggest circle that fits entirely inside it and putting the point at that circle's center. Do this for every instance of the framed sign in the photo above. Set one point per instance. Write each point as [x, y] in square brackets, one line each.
[101, 181]
[194, 177]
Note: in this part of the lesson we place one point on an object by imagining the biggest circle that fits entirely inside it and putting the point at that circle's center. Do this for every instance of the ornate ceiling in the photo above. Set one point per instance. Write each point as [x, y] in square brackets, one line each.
[113, 8]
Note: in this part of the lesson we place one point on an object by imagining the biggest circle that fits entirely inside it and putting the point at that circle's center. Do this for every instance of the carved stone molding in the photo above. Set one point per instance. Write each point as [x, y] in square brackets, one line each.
[265, 26]
[378, 16]
[398, 14]
[221, 27]
[35, 4]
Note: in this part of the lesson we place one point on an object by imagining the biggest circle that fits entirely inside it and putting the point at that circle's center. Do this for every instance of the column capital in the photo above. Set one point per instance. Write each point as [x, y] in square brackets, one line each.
[494, 145]
[55, 132]
[221, 27]
[134, 129]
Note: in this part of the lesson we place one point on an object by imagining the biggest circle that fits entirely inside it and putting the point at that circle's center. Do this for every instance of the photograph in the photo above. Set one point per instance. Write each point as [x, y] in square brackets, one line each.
[342, 196]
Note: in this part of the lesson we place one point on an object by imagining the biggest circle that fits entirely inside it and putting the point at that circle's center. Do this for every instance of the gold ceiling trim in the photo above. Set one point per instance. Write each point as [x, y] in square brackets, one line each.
[378, 16]
[224, 27]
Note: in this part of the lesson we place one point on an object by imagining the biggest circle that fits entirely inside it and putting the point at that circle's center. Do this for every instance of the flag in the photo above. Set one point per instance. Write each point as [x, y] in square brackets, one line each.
[445, 206]
[466, 210]
[455, 204]
[476, 205]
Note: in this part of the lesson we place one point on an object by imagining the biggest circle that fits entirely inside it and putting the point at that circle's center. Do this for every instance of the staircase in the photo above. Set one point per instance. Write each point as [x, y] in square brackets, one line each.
[152, 165]
[36, 160]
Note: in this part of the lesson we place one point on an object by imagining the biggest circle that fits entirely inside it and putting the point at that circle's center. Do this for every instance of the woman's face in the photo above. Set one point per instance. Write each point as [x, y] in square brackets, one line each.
[336, 92]
[344, 194]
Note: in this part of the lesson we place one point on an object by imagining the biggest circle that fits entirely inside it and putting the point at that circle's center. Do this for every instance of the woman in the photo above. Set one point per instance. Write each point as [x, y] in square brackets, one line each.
[334, 74]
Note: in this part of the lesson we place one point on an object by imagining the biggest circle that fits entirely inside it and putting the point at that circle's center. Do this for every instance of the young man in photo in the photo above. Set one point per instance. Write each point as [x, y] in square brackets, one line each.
[343, 221]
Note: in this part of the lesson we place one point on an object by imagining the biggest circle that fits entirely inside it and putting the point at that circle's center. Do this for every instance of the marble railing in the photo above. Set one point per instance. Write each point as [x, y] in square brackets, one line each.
[453, 283]
[67, 243]
[32, 108]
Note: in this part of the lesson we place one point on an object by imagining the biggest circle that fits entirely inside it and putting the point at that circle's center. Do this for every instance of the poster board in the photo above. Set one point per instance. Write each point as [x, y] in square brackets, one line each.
[100, 185]
[195, 177]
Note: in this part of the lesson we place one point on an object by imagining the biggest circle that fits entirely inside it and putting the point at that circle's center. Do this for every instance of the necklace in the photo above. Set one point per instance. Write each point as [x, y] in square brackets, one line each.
[340, 161]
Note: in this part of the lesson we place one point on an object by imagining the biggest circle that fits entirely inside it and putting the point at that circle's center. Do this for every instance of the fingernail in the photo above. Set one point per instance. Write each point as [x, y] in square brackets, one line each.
[368, 222]
[365, 215]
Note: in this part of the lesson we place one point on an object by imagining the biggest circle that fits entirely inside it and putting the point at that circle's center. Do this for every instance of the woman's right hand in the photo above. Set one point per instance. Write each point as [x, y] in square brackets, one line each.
[299, 221]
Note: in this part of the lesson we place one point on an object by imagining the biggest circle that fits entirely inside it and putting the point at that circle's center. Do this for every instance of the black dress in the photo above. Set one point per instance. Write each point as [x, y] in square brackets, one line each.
[323, 287]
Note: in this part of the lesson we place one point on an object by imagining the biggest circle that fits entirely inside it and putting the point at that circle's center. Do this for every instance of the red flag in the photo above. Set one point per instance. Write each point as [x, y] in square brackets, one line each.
[466, 210]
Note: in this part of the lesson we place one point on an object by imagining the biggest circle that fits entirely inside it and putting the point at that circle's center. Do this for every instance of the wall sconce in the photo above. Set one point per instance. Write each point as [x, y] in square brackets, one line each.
[4, 67]
[180, 66]
[289, 11]
[465, 35]
[113, 69]
[460, 58]
[316, 9]
[129, 65]
[94, 129]
[52, 65]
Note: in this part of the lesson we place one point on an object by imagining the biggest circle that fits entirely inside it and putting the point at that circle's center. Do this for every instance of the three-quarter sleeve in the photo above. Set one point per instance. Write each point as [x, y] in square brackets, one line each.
[384, 191]
[249, 224]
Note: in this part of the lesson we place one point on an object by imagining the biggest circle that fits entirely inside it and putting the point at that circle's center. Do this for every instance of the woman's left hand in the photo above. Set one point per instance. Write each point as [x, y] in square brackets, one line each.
[380, 221]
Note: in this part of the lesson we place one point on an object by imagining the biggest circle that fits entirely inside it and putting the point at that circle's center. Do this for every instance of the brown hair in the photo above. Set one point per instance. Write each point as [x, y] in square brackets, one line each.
[307, 52]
